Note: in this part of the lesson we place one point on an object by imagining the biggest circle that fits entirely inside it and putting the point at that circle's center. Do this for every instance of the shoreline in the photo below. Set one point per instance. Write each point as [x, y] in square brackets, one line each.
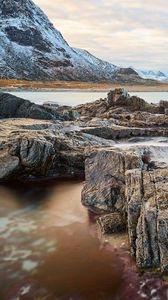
[73, 86]
[9, 90]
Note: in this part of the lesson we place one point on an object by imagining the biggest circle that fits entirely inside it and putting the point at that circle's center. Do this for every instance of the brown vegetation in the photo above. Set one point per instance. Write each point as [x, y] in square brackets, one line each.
[151, 86]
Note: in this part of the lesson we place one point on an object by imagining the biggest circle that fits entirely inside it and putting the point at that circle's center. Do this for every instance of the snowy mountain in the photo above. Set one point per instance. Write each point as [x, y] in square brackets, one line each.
[31, 48]
[156, 75]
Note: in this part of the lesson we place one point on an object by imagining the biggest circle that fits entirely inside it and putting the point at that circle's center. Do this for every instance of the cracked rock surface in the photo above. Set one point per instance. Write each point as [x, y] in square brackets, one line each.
[132, 182]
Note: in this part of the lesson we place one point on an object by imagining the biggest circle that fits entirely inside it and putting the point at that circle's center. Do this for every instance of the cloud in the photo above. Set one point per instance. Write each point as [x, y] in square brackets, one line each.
[125, 32]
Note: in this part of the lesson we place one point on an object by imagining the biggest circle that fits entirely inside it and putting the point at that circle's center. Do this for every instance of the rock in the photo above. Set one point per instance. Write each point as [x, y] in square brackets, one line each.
[112, 223]
[163, 105]
[36, 154]
[9, 165]
[14, 107]
[148, 210]
[133, 182]
[104, 187]
[120, 97]
[125, 182]
[114, 132]
[117, 101]
[33, 148]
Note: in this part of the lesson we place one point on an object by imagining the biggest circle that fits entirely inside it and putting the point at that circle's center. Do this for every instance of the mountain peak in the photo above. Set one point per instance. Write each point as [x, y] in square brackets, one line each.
[11, 8]
[31, 48]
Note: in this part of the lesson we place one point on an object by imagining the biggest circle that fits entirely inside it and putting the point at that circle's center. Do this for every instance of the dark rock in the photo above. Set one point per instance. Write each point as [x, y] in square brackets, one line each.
[14, 107]
[118, 101]
[112, 223]
[28, 37]
[163, 106]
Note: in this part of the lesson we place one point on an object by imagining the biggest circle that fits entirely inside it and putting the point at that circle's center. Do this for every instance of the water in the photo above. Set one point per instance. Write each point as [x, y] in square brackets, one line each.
[75, 98]
[52, 249]
[50, 246]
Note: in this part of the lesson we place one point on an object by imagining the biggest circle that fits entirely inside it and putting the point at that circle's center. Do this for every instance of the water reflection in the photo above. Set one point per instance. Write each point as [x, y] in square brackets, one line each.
[51, 249]
[50, 246]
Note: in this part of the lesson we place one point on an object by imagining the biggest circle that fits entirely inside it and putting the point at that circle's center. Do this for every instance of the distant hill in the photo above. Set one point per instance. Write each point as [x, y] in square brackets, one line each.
[155, 75]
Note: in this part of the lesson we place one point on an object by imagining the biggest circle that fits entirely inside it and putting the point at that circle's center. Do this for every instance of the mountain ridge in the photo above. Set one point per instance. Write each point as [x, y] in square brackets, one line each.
[33, 49]
[151, 74]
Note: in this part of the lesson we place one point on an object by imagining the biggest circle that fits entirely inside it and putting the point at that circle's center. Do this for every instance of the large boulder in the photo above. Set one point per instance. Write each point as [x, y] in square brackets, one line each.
[117, 101]
[120, 97]
[15, 107]
[104, 187]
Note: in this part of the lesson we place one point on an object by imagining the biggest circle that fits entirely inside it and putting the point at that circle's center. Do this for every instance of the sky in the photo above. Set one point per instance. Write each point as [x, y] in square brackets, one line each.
[124, 32]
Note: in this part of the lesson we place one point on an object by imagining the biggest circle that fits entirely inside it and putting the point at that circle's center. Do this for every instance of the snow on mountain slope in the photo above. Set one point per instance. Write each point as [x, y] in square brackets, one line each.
[31, 48]
[155, 75]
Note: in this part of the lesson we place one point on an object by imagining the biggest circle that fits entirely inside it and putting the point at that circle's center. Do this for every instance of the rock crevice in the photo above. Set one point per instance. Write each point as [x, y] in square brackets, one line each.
[142, 197]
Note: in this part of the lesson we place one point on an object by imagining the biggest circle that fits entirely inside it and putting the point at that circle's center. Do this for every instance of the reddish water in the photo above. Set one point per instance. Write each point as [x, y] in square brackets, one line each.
[51, 249]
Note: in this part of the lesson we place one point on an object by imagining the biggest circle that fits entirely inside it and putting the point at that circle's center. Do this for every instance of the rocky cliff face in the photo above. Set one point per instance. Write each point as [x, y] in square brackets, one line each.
[131, 185]
[31, 48]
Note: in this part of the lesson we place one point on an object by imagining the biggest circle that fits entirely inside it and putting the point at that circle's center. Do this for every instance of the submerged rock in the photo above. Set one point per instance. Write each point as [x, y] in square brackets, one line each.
[112, 223]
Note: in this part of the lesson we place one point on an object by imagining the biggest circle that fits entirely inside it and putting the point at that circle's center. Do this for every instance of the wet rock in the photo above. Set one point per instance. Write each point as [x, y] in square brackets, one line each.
[112, 223]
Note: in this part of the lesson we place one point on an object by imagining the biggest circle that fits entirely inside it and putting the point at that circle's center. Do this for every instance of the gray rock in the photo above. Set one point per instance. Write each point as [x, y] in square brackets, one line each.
[133, 182]
[43, 148]
[9, 165]
[105, 183]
